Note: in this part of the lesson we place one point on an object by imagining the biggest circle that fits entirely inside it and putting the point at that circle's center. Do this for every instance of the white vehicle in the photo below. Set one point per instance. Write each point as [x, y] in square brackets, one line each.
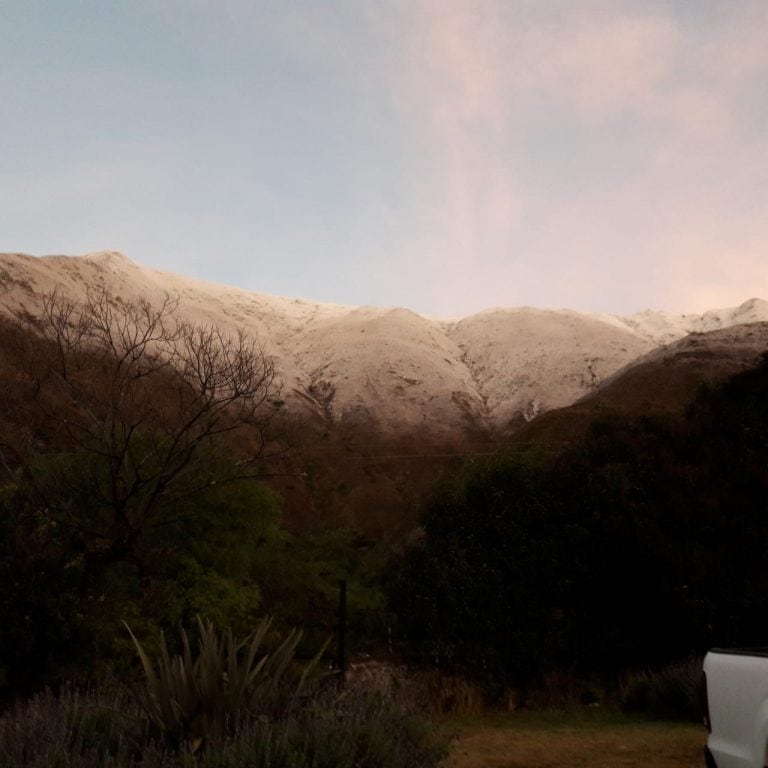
[736, 707]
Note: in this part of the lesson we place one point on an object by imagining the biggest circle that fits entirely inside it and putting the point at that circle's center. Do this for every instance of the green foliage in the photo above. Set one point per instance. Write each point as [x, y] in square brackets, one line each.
[128, 446]
[222, 554]
[673, 692]
[299, 575]
[62, 603]
[191, 697]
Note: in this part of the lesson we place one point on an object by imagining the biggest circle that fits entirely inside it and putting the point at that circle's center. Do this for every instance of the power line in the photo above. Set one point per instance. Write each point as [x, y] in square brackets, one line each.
[550, 446]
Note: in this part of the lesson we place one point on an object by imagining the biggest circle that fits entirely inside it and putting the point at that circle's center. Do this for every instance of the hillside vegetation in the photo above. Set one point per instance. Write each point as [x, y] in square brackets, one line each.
[639, 545]
[133, 448]
[151, 474]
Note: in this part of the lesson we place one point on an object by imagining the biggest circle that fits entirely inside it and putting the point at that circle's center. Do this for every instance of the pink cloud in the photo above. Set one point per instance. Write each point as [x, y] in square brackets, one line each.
[602, 63]
[468, 79]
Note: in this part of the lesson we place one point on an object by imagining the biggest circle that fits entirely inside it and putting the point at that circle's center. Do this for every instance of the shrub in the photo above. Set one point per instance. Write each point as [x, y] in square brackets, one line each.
[103, 727]
[83, 729]
[354, 729]
[668, 693]
[196, 697]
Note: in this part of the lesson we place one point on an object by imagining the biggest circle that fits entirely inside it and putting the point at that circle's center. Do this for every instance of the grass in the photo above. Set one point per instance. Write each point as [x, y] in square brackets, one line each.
[583, 738]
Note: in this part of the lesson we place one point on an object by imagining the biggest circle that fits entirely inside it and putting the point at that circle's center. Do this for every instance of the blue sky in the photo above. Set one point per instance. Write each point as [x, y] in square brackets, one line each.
[444, 155]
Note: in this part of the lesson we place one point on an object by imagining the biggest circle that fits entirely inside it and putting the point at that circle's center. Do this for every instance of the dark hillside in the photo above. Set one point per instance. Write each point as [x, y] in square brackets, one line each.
[658, 384]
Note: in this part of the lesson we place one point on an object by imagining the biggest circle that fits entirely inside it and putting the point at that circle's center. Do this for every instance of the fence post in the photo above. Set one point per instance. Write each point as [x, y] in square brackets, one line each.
[341, 658]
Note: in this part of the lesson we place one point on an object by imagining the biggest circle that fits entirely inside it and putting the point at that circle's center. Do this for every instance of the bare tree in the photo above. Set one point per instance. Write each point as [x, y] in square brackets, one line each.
[130, 411]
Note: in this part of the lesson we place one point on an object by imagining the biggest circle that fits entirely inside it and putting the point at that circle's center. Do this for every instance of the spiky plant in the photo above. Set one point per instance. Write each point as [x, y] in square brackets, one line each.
[192, 698]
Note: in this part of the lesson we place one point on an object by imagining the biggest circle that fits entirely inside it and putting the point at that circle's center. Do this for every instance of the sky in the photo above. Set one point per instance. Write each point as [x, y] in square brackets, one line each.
[442, 155]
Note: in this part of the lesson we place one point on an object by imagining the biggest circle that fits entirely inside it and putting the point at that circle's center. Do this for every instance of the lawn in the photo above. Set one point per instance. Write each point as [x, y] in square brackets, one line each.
[578, 739]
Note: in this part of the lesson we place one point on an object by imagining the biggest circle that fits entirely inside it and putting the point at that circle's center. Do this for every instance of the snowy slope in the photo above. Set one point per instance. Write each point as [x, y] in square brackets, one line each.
[392, 367]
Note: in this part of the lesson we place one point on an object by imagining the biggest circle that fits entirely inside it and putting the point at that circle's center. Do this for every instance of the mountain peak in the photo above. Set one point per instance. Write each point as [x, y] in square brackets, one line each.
[752, 305]
[108, 257]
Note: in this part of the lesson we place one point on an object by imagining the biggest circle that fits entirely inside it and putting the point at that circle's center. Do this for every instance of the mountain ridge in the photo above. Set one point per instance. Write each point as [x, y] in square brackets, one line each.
[387, 366]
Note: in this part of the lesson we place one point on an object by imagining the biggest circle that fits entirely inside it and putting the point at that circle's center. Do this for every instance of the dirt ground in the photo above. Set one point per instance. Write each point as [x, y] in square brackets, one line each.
[565, 740]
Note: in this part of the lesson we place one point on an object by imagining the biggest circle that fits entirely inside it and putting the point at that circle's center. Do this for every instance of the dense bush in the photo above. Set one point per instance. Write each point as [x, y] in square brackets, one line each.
[60, 615]
[673, 692]
[484, 593]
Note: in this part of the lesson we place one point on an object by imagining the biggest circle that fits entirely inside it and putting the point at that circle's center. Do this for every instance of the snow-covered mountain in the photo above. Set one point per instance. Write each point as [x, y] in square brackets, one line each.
[392, 368]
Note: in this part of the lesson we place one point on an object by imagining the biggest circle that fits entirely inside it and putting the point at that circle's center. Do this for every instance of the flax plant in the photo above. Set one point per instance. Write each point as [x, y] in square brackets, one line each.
[193, 698]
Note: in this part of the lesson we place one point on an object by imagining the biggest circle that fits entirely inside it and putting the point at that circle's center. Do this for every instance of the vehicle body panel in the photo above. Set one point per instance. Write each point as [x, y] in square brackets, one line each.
[737, 691]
